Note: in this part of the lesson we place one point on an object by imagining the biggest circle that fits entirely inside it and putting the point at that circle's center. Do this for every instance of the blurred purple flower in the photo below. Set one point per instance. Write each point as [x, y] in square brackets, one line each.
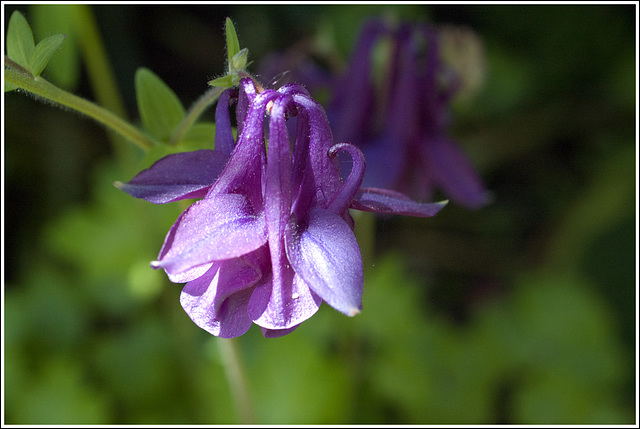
[400, 123]
[272, 236]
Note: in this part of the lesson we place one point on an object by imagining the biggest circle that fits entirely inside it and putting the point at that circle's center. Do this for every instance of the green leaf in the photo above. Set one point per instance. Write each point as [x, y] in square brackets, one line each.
[233, 45]
[224, 81]
[9, 86]
[200, 136]
[237, 59]
[160, 108]
[20, 44]
[64, 69]
[44, 51]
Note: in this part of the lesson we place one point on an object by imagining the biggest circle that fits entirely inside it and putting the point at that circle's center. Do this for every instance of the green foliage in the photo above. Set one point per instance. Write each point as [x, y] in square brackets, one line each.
[282, 391]
[44, 51]
[162, 113]
[200, 136]
[226, 81]
[65, 68]
[160, 108]
[559, 337]
[20, 43]
[233, 44]
[549, 328]
[22, 49]
[237, 59]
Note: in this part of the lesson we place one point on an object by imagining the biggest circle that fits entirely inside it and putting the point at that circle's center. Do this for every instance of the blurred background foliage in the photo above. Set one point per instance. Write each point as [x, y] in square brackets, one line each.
[521, 312]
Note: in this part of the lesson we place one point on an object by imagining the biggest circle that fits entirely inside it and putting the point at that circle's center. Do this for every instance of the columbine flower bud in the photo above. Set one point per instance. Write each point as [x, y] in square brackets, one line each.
[239, 60]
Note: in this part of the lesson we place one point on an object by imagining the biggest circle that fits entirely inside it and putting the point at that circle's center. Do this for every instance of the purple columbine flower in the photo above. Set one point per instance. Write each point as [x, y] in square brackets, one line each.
[272, 236]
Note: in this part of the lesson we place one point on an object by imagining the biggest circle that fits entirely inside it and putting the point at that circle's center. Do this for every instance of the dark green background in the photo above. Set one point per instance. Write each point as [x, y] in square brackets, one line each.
[522, 312]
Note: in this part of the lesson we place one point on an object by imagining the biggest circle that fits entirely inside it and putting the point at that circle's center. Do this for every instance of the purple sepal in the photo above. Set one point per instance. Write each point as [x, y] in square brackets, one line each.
[390, 202]
[325, 253]
[176, 177]
[212, 229]
[451, 169]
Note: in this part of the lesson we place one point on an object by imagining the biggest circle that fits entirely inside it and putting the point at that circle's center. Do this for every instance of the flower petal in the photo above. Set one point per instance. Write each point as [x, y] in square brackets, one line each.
[343, 198]
[382, 169]
[217, 301]
[325, 254]
[323, 168]
[243, 172]
[224, 135]
[351, 109]
[276, 333]
[392, 202]
[451, 168]
[190, 274]
[245, 99]
[212, 229]
[284, 306]
[277, 200]
[176, 177]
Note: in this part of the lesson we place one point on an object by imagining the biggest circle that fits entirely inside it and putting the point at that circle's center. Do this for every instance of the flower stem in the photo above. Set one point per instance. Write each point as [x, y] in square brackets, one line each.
[42, 88]
[207, 99]
[237, 380]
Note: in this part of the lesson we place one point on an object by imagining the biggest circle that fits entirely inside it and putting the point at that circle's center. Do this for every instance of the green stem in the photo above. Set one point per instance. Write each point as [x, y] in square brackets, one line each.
[236, 378]
[42, 88]
[207, 99]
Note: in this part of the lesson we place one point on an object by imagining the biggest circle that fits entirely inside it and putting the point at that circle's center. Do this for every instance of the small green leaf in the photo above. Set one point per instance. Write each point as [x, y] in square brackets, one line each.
[224, 81]
[44, 51]
[233, 45]
[160, 108]
[200, 136]
[9, 86]
[64, 69]
[20, 44]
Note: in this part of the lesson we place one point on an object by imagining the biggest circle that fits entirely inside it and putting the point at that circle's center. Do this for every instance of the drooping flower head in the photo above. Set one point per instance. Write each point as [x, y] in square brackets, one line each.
[272, 237]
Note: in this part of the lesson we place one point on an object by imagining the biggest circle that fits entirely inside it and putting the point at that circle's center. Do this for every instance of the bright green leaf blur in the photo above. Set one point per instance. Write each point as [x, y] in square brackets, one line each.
[160, 108]
[43, 52]
[224, 81]
[64, 68]
[20, 44]
[9, 87]
[233, 44]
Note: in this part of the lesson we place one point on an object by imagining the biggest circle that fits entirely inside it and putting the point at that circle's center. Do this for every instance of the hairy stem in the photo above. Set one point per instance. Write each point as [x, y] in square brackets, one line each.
[207, 99]
[46, 90]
